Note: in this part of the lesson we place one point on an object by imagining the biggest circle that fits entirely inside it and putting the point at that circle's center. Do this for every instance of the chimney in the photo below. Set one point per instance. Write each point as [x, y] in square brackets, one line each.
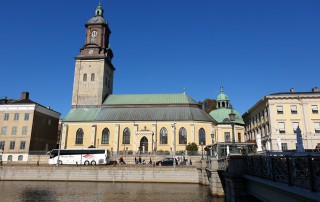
[291, 90]
[315, 89]
[24, 95]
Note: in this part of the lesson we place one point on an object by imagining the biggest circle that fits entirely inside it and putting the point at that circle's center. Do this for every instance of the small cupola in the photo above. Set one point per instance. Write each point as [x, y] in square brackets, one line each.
[99, 11]
[222, 99]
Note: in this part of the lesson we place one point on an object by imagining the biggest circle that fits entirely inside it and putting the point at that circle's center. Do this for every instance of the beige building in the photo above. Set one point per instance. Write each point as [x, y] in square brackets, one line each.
[276, 117]
[26, 127]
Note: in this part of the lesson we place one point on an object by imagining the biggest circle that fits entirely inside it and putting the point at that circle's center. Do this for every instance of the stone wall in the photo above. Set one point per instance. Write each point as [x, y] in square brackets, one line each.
[101, 173]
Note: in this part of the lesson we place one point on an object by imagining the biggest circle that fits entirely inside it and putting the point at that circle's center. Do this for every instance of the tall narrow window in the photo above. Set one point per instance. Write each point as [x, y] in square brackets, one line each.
[105, 136]
[85, 77]
[6, 116]
[126, 136]
[16, 116]
[14, 130]
[92, 77]
[4, 130]
[294, 109]
[26, 116]
[12, 144]
[239, 137]
[227, 136]
[2, 143]
[182, 136]
[22, 144]
[202, 136]
[282, 128]
[79, 136]
[295, 126]
[24, 130]
[163, 136]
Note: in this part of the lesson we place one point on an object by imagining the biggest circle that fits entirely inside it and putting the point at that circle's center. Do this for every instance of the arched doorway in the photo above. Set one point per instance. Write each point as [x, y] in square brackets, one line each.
[143, 145]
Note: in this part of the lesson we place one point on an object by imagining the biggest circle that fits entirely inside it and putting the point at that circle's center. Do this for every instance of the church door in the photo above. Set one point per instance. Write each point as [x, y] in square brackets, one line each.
[144, 145]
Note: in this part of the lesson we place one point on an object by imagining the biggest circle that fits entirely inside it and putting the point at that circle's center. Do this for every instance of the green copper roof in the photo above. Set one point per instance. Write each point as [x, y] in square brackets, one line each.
[221, 115]
[99, 10]
[139, 114]
[222, 96]
[148, 99]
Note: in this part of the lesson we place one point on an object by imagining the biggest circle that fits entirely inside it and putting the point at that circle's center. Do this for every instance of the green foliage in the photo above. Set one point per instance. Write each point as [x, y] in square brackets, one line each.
[91, 146]
[192, 147]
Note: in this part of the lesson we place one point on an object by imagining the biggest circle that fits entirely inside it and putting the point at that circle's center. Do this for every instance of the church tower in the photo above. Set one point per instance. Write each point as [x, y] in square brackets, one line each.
[93, 76]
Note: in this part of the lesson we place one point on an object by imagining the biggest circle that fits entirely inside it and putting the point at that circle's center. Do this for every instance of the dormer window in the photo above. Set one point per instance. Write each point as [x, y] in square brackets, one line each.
[279, 109]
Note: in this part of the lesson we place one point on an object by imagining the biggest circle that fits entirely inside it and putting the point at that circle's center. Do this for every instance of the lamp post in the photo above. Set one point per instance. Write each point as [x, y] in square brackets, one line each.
[1, 156]
[201, 150]
[174, 143]
[232, 117]
[212, 142]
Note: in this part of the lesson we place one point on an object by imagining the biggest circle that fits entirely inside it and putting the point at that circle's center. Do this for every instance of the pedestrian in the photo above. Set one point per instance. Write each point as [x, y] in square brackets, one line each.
[190, 162]
[139, 159]
[150, 162]
[135, 160]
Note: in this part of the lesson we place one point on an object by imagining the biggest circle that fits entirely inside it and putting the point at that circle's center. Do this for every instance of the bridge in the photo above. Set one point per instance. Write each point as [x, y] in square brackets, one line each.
[273, 177]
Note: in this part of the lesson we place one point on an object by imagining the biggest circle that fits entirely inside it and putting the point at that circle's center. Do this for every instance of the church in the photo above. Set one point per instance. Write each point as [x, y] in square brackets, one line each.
[134, 123]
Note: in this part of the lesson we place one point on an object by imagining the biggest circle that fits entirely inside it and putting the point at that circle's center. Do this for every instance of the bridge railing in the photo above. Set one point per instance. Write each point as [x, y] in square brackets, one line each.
[300, 171]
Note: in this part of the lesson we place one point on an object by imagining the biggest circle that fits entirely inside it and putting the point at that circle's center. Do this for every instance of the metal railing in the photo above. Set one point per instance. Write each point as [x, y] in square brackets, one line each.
[299, 171]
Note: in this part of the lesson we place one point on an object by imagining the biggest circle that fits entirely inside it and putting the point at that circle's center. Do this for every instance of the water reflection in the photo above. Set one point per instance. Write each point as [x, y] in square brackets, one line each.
[101, 191]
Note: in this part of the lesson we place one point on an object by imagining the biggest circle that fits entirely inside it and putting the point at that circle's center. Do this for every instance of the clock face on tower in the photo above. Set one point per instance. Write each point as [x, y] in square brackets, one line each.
[90, 52]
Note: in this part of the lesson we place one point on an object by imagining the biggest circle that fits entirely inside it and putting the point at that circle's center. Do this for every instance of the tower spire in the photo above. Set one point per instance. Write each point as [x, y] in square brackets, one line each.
[99, 10]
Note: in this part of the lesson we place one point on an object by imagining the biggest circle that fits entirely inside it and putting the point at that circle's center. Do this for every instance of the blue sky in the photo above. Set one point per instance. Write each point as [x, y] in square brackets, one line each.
[251, 47]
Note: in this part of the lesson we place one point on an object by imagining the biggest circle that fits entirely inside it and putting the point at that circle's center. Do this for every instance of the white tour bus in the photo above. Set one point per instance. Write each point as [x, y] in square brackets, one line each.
[79, 156]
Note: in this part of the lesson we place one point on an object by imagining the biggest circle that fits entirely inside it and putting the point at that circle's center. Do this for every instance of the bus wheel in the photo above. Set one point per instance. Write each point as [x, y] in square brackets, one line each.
[60, 162]
[93, 163]
[86, 163]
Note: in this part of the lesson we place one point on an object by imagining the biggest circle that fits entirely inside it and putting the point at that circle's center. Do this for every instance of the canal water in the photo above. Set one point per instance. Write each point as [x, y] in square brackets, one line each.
[102, 191]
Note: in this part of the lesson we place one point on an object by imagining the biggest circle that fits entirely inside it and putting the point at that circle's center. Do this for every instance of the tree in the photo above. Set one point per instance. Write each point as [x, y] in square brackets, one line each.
[192, 147]
[91, 146]
[208, 105]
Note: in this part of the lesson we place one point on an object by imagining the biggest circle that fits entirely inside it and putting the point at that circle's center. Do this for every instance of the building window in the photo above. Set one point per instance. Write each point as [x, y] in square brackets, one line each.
[12, 144]
[279, 109]
[294, 109]
[2, 143]
[282, 128]
[85, 77]
[22, 144]
[14, 130]
[20, 158]
[92, 77]
[227, 136]
[4, 130]
[314, 109]
[105, 136]
[316, 127]
[24, 130]
[26, 116]
[284, 146]
[126, 136]
[182, 136]
[6, 116]
[295, 126]
[10, 158]
[16, 116]
[202, 136]
[239, 137]
[49, 122]
[79, 136]
[163, 136]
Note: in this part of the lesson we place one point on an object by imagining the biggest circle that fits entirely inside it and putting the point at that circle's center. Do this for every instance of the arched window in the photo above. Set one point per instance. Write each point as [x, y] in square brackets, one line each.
[126, 136]
[163, 136]
[85, 77]
[182, 136]
[10, 158]
[202, 136]
[79, 136]
[105, 136]
[20, 158]
[92, 77]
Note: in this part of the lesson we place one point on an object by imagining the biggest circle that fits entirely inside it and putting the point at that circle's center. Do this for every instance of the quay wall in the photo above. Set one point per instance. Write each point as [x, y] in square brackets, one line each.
[100, 173]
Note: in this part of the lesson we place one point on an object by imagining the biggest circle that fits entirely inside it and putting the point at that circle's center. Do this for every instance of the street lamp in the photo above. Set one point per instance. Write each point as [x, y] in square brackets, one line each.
[201, 150]
[212, 142]
[1, 156]
[174, 143]
[232, 117]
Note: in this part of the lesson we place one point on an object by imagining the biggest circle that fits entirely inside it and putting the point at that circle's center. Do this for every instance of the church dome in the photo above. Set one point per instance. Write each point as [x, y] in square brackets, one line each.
[222, 96]
[221, 115]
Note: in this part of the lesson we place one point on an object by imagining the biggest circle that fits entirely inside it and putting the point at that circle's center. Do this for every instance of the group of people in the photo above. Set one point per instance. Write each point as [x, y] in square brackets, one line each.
[140, 161]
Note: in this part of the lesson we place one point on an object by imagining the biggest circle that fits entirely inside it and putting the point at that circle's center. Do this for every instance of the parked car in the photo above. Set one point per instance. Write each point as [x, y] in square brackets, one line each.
[166, 162]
